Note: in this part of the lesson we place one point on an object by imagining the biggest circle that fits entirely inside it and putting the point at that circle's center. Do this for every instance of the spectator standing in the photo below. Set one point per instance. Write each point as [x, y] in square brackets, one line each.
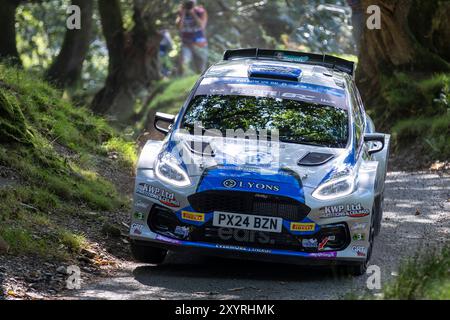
[191, 21]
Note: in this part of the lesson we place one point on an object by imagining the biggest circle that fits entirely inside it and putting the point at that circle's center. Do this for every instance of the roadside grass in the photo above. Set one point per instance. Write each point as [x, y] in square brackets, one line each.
[425, 276]
[57, 150]
[417, 111]
[432, 132]
[169, 98]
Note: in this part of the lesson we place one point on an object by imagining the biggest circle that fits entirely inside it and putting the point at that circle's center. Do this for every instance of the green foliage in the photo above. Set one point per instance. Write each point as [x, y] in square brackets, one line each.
[417, 111]
[426, 276]
[74, 242]
[125, 150]
[169, 97]
[432, 132]
[174, 94]
[407, 97]
[57, 150]
[12, 121]
[41, 28]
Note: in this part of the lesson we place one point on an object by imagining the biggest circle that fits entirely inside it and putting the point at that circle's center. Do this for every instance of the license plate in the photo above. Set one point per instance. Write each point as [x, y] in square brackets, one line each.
[247, 222]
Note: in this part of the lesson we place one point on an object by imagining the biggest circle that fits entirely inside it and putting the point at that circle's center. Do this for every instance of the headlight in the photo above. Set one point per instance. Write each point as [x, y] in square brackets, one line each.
[168, 169]
[336, 188]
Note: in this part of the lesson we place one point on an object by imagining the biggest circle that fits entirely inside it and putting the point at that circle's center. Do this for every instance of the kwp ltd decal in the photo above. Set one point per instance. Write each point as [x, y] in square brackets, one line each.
[163, 196]
[344, 210]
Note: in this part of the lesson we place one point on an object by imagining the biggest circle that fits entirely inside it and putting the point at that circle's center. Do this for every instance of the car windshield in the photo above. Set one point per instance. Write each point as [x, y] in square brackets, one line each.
[297, 121]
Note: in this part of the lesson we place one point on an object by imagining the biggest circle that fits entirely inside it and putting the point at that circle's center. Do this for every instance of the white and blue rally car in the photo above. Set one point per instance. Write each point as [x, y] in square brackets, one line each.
[272, 157]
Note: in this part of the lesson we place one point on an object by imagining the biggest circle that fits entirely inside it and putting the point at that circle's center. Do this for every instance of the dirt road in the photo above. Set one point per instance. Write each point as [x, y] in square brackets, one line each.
[417, 215]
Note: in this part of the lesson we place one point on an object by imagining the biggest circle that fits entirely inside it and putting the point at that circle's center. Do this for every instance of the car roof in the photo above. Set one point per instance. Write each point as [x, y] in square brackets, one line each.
[310, 73]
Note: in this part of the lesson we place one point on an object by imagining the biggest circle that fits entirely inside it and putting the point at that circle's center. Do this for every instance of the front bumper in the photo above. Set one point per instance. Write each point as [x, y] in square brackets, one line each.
[247, 253]
[143, 230]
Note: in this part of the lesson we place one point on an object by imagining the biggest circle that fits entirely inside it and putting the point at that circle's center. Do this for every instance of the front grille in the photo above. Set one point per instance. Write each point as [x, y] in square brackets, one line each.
[249, 203]
[164, 221]
[272, 240]
[241, 237]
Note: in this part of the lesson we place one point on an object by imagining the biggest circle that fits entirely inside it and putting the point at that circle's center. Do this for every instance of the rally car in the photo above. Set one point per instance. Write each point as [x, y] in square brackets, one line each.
[271, 157]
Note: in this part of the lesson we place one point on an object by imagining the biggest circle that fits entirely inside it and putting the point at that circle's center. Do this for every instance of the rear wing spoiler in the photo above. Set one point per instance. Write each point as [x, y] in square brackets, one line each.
[327, 61]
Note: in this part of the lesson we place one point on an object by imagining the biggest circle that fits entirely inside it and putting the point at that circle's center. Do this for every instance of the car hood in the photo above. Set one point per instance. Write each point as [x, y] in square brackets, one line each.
[264, 162]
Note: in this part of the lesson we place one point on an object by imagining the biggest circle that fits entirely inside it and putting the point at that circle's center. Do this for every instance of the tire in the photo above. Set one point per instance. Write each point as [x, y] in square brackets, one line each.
[379, 202]
[147, 254]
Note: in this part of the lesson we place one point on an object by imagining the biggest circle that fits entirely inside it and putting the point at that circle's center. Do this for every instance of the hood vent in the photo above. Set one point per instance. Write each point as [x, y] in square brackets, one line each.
[315, 159]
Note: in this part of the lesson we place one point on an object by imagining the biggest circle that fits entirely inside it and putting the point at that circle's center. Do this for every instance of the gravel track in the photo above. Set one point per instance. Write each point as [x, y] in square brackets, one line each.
[416, 216]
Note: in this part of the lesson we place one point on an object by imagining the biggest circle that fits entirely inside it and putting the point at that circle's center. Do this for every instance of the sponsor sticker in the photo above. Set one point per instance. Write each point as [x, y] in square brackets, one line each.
[232, 183]
[347, 210]
[141, 204]
[193, 216]
[167, 239]
[138, 216]
[359, 226]
[136, 228]
[304, 227]
[323, 254]
[359, 237]
[360, 250]
[163, 196]
[310, 243]
[323, 243]
[240, 248]
[182, 231]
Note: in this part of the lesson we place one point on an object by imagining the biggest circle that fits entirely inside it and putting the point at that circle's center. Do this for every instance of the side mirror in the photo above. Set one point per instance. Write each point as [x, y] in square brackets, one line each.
[378, 138]
[169, 119]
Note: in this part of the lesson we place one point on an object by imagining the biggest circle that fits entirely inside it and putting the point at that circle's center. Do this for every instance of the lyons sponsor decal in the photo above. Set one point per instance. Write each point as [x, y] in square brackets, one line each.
[347, 210]
[303, 227]
[193, 216]
[163, 196]
[232, 184]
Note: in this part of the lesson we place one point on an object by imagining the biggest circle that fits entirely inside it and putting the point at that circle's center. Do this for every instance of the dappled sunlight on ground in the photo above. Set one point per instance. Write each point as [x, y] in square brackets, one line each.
[416, 216]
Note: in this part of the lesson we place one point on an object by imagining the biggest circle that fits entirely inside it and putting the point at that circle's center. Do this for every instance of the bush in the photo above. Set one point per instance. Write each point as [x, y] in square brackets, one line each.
[433, 133]
[426, 276]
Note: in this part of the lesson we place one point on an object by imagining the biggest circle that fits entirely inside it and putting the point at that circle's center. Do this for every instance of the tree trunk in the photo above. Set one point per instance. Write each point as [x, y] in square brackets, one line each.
[66, 69]
[402, 44]
[8, 48]
[133, 57]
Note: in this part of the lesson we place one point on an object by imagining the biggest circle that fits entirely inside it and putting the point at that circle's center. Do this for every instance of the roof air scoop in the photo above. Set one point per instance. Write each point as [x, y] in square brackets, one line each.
[277, 72]
[315, 159]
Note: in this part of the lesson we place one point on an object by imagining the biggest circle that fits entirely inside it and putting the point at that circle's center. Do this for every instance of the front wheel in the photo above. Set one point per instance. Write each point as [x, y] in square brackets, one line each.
[147, 254]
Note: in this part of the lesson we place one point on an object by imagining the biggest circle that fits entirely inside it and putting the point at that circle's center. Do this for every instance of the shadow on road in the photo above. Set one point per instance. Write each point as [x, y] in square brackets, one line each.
[214, 267]
[203, 267]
